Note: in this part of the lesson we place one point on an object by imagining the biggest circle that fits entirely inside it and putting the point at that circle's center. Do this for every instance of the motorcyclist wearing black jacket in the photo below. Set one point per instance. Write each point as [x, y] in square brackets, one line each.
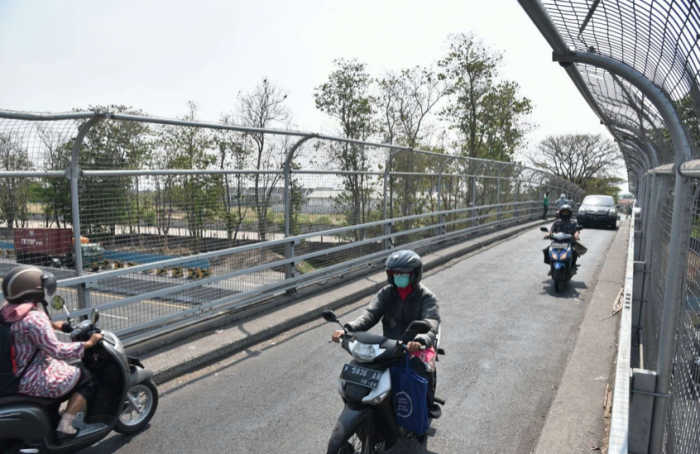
[566, 224]
[398, 304]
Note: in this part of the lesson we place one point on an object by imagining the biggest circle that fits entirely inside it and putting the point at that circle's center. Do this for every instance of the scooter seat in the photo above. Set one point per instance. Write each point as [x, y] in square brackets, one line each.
[22, 399]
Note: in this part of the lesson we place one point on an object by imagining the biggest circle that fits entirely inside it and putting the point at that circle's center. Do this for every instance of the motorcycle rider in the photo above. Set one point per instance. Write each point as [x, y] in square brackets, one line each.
[561, 201]
[398, 304]
[39, 351]
[566, 224]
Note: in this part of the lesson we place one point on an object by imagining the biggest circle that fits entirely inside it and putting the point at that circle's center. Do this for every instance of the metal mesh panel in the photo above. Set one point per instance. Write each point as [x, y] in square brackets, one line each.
[179, 218]
[661, 234]
[659, 38]
[684, 415]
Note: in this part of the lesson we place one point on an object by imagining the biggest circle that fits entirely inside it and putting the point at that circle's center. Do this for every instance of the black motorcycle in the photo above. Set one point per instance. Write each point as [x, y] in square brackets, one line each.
[125, 399]
[367, 424]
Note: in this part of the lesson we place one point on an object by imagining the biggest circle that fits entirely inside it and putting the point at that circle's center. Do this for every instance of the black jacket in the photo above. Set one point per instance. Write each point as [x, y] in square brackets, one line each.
[396, 315]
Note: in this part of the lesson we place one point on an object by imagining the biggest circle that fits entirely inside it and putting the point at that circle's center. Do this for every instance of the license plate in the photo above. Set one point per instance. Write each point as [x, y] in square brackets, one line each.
[361, 376]
[560, 246]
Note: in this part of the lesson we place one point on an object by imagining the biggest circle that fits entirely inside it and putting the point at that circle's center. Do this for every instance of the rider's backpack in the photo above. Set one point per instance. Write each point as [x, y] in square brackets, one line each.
[9, 384]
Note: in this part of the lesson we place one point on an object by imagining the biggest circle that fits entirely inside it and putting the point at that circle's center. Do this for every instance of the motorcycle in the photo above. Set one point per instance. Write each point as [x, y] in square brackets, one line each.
[125, 399]
[367, 424]
[560, 257]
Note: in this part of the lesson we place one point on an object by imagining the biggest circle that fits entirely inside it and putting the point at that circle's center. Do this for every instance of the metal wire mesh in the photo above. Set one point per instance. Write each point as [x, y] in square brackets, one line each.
[684, 416]
[662, 201]
[179, 218]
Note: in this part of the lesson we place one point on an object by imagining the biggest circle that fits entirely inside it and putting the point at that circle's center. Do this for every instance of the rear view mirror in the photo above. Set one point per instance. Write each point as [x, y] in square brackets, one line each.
[419, 327]
[329, 316]
[94, 316]
[57, 303]
[543, 229]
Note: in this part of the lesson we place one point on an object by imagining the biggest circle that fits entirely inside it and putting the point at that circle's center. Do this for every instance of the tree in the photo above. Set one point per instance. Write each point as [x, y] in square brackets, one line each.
[406, 100]
[196, 195]
[14, 191]
[587, 160]
[54, 193]
[490, 116]
[347, 98]
[263, 107]
[108, 202]
[232, 154]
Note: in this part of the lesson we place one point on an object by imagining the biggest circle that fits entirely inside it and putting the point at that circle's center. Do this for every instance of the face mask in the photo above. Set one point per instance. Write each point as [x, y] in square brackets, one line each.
[402, 281]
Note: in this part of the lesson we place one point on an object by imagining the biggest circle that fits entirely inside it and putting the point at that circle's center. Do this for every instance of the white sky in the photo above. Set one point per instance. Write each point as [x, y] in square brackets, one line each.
[157, 54]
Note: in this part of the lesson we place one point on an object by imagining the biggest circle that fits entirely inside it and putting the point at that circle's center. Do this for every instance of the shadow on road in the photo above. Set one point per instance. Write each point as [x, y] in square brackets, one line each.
[250, 353]
[570, 290]
[114, 443]
[413, 447]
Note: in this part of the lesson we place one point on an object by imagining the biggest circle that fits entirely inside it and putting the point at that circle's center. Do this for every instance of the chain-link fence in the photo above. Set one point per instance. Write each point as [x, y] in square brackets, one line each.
[159, 221]
[637, 63]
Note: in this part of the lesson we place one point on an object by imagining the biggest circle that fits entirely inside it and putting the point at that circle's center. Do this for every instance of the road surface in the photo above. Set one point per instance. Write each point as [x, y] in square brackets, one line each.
[507, 334]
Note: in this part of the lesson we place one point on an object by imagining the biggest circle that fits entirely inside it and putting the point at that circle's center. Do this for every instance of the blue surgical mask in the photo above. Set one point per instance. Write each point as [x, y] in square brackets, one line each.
[402, 281]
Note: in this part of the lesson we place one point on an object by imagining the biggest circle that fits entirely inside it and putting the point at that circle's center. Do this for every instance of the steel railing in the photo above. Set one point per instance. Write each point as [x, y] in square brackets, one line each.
[191, 226]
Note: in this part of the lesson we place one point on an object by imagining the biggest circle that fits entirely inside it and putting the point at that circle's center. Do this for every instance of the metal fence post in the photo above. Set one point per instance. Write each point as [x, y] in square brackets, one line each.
[498, 195]
[441, 220]
[289, 270]
[73, 173]
[386, 243]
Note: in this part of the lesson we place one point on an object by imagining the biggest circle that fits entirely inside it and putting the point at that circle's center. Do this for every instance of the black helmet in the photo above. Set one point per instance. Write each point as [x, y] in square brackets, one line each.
[565, 208]
[404, 262]
[28, 283]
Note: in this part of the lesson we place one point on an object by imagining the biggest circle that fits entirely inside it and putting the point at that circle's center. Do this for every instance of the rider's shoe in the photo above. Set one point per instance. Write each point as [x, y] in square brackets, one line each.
[62, 436]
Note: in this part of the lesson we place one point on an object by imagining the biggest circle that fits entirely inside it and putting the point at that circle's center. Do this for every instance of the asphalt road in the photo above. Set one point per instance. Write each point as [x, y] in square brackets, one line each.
[507, 334]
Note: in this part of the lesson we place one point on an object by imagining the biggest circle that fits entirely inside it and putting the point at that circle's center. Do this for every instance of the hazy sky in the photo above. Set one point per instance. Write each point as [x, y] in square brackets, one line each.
[157, 54]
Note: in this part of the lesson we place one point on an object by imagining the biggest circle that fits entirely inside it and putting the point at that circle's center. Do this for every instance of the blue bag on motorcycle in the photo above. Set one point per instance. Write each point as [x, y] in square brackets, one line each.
[410, 397]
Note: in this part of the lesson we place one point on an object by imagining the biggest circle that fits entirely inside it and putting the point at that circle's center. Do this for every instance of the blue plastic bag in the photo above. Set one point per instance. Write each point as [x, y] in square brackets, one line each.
[410, 397]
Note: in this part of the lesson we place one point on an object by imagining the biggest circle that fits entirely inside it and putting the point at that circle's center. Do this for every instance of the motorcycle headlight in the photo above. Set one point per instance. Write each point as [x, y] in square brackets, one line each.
[365, 352]
[563, 255]
[379, 399]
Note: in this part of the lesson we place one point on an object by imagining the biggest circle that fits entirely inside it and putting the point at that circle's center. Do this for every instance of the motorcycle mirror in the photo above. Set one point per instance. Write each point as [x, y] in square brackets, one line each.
[94, 316]
[329, 316]
[57, 303]
[543, 229]
[419, 327]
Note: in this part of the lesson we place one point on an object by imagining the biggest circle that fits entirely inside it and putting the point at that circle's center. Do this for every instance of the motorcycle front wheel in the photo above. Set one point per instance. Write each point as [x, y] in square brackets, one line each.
[145, 394]
[558, 277]
[360, 445]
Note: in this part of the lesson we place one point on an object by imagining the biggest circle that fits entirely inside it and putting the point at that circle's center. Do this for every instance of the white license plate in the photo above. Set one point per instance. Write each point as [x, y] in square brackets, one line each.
[560, 246]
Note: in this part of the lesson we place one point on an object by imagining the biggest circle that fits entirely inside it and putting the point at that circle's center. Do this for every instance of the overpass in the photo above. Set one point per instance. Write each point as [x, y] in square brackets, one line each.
[635, 63]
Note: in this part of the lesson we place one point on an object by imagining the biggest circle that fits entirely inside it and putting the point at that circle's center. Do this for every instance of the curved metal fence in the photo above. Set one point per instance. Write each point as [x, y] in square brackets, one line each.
[159, 221]
[637, 65]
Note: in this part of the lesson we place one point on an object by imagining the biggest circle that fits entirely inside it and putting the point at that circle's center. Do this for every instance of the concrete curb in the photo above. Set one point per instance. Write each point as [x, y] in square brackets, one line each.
[369, 284]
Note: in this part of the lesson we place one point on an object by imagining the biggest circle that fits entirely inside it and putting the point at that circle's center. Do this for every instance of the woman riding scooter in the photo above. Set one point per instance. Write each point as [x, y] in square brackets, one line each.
[39, 351]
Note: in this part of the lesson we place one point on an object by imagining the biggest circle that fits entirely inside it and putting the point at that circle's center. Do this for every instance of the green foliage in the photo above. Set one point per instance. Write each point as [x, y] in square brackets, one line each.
[14, 192]
[489, 115]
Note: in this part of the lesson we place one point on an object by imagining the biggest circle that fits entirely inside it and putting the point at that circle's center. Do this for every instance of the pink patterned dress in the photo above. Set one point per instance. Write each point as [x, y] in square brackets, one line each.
[47, 376]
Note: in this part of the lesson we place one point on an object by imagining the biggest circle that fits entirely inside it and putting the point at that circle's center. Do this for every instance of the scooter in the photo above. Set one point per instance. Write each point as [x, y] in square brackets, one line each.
[560, 257]
[367, 424]
[125, 399]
